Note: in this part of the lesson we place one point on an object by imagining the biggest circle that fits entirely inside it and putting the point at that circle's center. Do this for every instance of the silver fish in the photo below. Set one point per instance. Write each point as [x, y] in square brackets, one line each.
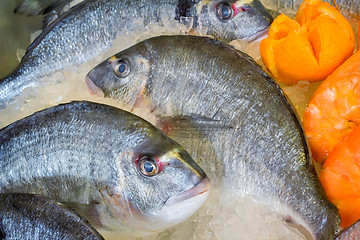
[258, 144]
[88, 29]
[350, 233]
[28, 216]
[115, 169]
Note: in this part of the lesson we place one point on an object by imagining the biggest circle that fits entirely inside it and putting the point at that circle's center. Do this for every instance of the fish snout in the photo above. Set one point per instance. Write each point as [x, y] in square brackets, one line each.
[261, 18]
[93, 89]
[202, 188]
[259, 9]
[257, 37]
[182, 206]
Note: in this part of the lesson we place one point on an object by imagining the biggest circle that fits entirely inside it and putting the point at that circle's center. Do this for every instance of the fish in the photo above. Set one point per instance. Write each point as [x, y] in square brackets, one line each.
[36, 7]
[230, 115]
[113, 168]
[351, 232]
[89, 28]
[29, 216]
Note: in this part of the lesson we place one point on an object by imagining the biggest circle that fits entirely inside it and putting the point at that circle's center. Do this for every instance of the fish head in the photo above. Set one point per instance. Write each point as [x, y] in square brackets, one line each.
[163, 186]
[122, 76]
[228, 20]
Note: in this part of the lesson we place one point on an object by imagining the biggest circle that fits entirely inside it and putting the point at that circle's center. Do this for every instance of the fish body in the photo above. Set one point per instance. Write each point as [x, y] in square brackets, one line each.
[352, 232]
[28, 216]
[251, 142]
[88, 29]
[115, 169]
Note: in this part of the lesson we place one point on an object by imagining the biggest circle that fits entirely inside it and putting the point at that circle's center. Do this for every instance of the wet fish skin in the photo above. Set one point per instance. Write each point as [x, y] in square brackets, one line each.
[264, 140]
[71, 40]
[89, 155]
[350, 233]
[28, 216]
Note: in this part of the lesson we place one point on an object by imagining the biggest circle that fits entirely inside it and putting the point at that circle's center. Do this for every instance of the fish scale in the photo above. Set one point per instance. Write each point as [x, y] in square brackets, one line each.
[258, 149]
[28, 216]
[58, 140]
[352, 232]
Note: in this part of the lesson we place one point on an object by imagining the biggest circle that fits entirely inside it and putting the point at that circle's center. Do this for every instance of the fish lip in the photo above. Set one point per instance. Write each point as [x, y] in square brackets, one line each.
[175, 210]
[258, 36]
[93, 89]
[202, 188]
[180, 207]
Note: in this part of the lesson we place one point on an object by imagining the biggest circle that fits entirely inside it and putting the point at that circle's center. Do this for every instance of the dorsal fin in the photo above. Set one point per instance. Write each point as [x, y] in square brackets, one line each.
[49, 18]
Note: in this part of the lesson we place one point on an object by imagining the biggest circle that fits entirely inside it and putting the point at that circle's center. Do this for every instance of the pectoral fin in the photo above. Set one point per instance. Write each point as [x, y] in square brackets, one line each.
[190, 126]
[87, 211]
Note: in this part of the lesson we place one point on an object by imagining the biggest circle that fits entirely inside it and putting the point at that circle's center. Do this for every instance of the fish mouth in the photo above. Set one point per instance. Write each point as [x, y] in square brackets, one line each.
[258, 36]
[180, 207]
[175, 210]
[93, 89]
[202, 188]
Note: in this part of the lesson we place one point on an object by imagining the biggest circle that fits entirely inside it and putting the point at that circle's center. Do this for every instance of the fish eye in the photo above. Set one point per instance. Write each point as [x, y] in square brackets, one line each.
[148, 166]
[122, 68]
[224, 11]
